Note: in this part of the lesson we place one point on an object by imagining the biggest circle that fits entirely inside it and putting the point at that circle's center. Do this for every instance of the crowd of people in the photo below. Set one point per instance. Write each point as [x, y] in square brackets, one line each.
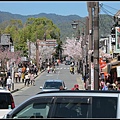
[107, 84]
[25, 73]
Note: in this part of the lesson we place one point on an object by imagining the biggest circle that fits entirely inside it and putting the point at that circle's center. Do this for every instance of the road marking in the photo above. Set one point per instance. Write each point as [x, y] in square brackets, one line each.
[49, 75]
[62, 68]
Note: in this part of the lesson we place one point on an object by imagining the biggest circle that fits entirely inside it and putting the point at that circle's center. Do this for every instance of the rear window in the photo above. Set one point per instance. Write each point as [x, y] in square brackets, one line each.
[104, 107]
[86, 107]
[5, 100]
[52, 85]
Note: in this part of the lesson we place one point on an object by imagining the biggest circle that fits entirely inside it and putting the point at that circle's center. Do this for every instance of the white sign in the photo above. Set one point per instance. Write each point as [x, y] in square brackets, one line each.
[12, 48]
[92, 76]
[118, 71]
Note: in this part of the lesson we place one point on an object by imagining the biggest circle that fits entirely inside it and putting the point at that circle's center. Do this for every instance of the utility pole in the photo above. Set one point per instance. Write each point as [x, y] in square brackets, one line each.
[90, 6]
[96, 46]
[37, 53]
[86, 46]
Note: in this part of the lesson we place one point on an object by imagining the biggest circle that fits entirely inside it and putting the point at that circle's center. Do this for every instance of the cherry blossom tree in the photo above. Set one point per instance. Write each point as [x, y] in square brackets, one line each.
[7, 56]
[73, 48]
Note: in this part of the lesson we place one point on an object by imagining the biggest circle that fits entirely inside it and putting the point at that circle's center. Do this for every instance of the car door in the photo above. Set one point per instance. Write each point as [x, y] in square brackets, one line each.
[34, 108]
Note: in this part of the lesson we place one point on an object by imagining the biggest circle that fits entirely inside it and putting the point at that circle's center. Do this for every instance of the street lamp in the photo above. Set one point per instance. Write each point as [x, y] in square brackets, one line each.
[84, 47]
[75, 25]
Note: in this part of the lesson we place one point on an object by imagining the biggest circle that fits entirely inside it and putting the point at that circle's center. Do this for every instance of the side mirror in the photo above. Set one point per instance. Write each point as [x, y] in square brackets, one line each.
[41, 87]
[66, 88]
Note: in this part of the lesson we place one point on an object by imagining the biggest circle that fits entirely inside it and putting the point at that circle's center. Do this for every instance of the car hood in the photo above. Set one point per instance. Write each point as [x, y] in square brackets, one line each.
[49, 89]
[4, 112]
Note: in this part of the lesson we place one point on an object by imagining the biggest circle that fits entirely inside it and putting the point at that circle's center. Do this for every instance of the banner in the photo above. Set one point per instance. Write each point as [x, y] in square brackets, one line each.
[117, 33]
[92, 76]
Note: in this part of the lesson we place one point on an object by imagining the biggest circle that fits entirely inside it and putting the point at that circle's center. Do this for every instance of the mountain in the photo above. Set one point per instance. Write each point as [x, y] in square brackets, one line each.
[64, 22]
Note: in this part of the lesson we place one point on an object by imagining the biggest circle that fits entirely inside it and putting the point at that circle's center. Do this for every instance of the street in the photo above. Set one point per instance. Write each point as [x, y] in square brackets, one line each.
[62, 72]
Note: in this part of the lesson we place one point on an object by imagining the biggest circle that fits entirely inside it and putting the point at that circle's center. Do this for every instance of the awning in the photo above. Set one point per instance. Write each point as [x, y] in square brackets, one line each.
[115, 66]
[104, 69]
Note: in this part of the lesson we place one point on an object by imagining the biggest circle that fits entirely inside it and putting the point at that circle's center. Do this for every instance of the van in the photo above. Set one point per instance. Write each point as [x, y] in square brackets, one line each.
[69, 104]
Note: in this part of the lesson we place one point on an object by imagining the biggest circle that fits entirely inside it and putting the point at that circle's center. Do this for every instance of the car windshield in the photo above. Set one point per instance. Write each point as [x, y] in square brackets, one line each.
[52, 85]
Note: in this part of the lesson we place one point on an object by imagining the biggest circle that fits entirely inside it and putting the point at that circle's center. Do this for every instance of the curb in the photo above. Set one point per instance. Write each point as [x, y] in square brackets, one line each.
[24, 86]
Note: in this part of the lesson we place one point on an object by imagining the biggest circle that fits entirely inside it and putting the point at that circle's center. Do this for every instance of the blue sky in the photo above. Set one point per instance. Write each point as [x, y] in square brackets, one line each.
[57, 7]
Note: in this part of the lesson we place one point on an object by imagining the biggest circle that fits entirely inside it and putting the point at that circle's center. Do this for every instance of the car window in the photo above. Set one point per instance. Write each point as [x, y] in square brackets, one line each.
[104, 107]
[72, 107]
[52, 85]
[5, 100]
[85, 107]
[38, 108]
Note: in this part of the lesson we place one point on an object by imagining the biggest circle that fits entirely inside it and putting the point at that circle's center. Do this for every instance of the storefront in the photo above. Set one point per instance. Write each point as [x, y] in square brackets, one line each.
[113, 70]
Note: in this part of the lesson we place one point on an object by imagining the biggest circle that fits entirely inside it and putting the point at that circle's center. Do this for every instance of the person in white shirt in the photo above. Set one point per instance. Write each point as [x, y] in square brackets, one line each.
[27, 79]
[9, 83]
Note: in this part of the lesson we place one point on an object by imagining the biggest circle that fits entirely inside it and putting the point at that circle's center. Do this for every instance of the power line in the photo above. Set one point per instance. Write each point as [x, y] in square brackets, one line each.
[107, 10]
[107, 13]
[110, 7]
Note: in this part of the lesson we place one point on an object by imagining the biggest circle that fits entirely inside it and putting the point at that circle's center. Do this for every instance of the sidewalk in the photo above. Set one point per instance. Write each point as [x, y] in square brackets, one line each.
[18, 86]
[80, 82]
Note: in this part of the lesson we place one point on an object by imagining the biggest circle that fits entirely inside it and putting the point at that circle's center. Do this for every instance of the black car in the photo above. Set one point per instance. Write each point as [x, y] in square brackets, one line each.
[67, 62]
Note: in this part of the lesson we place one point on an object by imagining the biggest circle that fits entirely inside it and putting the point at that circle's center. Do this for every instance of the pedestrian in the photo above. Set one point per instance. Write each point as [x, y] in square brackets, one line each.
[86, 84]
[110, 87]
[22, 76]
[16, 77]
[1, 81]
[62, 88]
[19, 76]
[105, 87]
[27, 79]
[32, 79]
[76, 87]
[48, 69]
[9, 83]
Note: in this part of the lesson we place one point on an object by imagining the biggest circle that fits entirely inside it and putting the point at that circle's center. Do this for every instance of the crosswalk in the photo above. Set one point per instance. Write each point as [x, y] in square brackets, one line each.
[60, 68]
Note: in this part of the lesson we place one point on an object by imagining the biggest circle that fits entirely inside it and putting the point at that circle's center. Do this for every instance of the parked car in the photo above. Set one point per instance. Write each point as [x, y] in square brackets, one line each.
[69, 104]
[6, 101]
[68, 62]
[50, 85]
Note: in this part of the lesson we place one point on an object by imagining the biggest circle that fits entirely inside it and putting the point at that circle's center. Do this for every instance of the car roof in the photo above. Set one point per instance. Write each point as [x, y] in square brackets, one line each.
[54, 80]
[3, 90]
[81, 91]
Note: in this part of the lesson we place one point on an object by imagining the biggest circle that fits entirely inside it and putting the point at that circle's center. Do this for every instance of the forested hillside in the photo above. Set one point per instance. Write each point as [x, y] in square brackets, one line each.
[63, 22]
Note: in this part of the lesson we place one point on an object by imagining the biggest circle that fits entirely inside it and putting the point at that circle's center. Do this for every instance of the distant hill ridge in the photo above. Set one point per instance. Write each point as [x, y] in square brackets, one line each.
[63, 22]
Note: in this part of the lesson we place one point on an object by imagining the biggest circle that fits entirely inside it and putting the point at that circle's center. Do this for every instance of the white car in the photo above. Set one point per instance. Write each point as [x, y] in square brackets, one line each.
[51, 85]
[75, 104]
[6, 102]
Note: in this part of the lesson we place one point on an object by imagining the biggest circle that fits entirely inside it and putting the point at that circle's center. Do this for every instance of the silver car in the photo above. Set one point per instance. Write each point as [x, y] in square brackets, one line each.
[51, 85]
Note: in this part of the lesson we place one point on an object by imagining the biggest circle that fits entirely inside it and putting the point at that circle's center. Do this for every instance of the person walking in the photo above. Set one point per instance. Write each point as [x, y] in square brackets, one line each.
[76, 87]
[32, 79]
[27, 79]
[48, 69]
[9, 83]
[19, 76]
[22, 76]
[16, 77]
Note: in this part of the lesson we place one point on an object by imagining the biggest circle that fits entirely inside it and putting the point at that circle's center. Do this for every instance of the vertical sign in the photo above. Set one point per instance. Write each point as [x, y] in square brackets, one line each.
[117, 33]
[118, 71]
[92, 76]
[12, 48]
